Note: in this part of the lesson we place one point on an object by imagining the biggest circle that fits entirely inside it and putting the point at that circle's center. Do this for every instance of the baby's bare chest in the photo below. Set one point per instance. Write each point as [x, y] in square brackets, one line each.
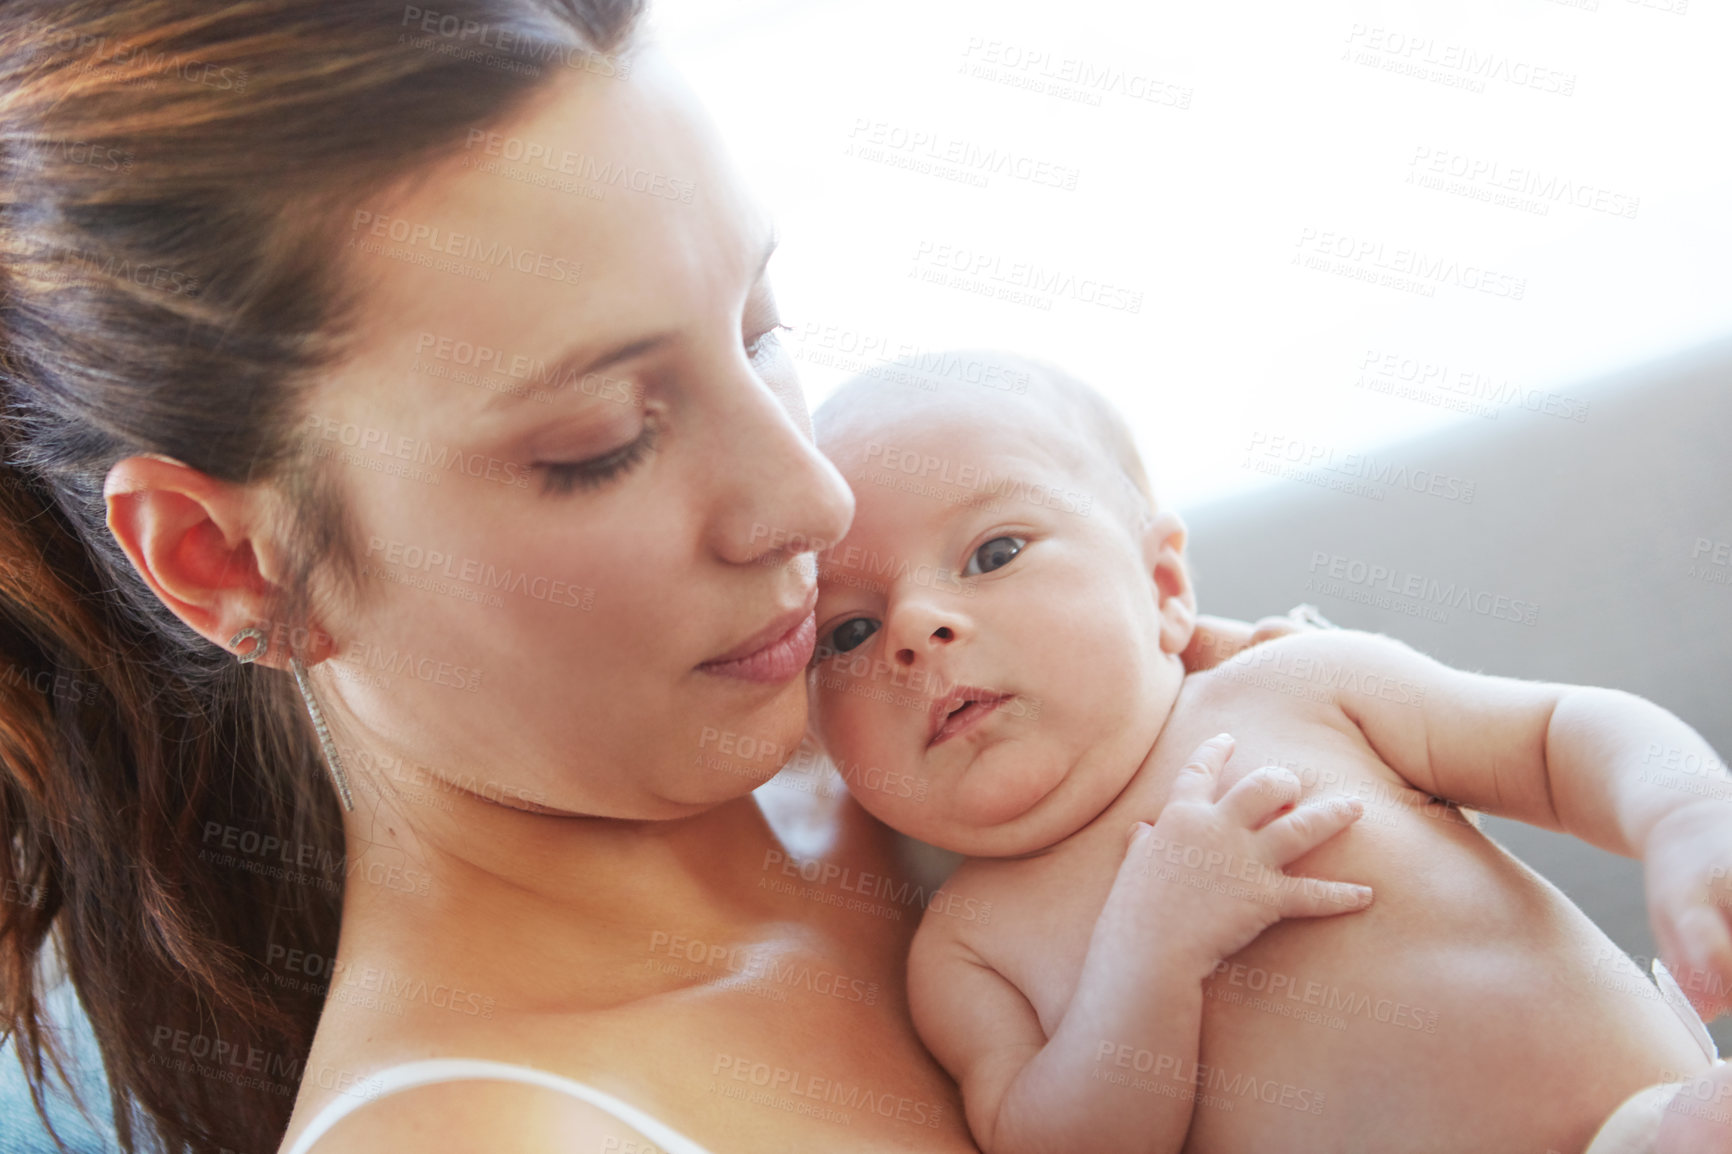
[1328, 1027]
[1045, 907]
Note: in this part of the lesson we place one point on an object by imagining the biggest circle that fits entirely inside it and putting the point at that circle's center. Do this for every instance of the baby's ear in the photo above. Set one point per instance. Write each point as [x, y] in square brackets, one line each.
[1163, 542]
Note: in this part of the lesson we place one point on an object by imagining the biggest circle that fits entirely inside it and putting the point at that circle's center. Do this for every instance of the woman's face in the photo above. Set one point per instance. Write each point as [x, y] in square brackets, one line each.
[578, 465]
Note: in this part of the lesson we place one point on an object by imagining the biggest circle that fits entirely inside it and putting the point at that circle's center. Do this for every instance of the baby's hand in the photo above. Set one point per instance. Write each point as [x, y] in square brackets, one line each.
[1689, 880]
[1217, 638]
[1221, 859]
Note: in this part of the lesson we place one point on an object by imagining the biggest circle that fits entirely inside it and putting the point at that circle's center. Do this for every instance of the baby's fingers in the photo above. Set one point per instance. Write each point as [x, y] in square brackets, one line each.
[1259, 795]
[1198, 779]
[1308, 827]
[1316, 898]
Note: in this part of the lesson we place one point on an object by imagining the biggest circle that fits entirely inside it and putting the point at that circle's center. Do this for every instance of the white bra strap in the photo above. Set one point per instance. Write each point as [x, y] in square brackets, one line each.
[406, 1075]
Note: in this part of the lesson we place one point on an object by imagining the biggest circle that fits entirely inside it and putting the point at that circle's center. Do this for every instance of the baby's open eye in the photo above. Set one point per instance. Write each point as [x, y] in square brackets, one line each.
[995, 554]
[852, 633]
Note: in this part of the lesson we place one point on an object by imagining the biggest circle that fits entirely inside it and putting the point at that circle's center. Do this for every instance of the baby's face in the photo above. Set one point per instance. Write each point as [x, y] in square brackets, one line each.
[997, 648]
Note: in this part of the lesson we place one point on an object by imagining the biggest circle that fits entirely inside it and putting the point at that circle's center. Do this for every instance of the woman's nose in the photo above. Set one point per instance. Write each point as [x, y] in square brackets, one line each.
[776, 495]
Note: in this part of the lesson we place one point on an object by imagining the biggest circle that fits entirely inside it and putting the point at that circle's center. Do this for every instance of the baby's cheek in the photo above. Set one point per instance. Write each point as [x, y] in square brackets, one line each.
[826, 721]
[843, 725]
[896, 798]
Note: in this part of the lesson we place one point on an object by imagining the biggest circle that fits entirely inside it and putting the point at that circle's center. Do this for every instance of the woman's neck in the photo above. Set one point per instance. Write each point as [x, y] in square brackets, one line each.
[490, 883]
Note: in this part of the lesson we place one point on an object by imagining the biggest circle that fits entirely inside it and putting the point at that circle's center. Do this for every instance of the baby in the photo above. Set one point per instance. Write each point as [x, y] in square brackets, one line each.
[1165, 967]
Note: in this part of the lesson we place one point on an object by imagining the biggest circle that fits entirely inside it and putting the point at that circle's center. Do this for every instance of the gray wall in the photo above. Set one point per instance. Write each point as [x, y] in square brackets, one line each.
[1594, 522]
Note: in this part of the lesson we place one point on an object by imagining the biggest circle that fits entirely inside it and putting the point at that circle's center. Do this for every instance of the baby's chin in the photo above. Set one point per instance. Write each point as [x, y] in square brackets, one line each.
[1006, 810]
[1012, 839]
[995, 792]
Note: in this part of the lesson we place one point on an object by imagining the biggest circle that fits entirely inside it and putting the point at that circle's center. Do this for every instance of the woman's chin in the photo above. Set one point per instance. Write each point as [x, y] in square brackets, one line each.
[730, 755]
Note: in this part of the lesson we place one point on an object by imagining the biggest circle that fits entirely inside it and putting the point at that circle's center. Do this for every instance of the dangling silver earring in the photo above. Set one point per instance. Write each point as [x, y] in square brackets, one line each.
[332, 762]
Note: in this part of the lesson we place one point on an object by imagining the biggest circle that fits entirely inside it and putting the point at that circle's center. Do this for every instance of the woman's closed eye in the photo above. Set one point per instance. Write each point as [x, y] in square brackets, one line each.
[564, 476]
[994, 554]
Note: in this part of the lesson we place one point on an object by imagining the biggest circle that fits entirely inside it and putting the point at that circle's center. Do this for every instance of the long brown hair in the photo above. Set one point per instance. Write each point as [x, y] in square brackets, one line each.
[170, 174]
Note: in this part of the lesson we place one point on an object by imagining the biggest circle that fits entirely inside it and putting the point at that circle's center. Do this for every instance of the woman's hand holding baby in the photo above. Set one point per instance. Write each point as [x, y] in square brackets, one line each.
[1218, 861]
[1688, 860]
[1215, 639]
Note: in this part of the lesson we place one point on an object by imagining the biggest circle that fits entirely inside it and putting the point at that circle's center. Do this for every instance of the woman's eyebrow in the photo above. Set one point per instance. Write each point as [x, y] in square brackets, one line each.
[612, 357]
[573, 365]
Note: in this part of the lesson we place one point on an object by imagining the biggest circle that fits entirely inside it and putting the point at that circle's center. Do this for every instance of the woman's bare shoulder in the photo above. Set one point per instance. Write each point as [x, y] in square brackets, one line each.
[477, 1116]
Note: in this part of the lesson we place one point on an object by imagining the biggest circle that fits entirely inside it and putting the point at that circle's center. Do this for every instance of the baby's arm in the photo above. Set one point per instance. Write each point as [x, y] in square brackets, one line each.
[1161, 932]
[1584, 761]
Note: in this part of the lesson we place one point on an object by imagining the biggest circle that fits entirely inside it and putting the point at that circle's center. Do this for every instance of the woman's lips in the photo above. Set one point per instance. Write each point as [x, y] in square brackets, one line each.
[774, 653]
[975, 705]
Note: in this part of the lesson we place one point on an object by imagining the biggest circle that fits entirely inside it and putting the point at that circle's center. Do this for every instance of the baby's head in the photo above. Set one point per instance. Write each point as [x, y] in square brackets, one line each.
[999, 633]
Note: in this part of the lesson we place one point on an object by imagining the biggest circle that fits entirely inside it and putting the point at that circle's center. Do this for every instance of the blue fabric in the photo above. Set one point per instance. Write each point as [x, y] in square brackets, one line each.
[21, 1130]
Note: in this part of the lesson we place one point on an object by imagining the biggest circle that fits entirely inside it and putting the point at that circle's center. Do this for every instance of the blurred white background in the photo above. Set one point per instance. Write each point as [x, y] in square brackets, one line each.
[1243, 168]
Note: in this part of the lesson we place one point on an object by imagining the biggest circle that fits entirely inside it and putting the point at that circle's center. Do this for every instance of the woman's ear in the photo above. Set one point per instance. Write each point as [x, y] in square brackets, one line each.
[198, 543]
[1163, 544]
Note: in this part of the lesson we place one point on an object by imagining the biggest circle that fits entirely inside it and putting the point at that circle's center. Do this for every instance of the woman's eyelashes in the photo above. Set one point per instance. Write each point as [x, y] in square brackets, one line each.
[994, 554]
[765, 341]
[563, 477]
[566, 476]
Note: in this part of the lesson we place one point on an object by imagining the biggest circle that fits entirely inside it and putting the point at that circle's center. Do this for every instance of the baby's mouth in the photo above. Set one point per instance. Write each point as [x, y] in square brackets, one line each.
[962, 709]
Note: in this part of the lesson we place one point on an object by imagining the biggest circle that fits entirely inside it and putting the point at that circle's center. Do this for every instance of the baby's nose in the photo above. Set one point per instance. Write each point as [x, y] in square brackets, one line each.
[938, 637]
